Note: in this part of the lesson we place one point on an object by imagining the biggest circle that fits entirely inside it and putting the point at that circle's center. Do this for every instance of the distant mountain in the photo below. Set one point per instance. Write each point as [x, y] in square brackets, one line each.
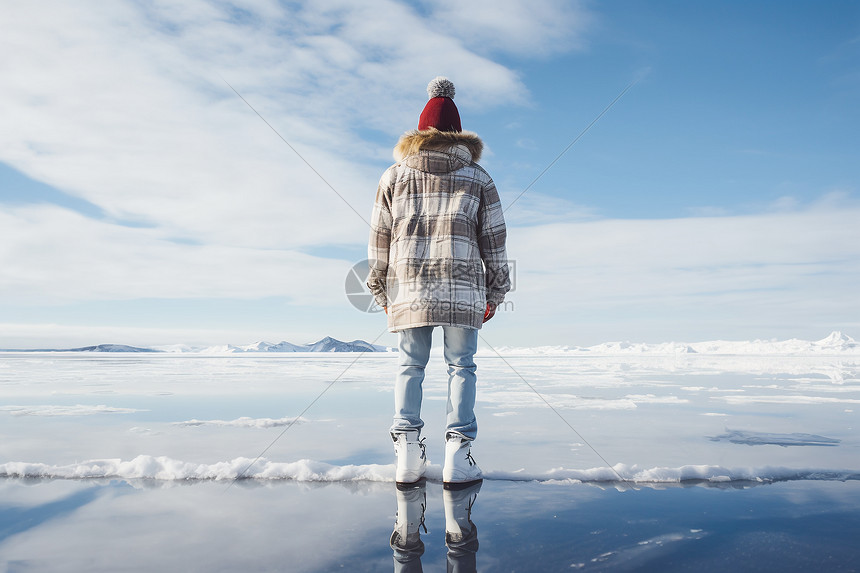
[111, 348]
[327, 344]
[96, 348]
[838, 341]
[282, 346]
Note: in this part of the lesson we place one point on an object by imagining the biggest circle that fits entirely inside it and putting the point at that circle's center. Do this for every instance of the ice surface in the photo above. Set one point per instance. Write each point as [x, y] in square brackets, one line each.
[649, 418]
[141, 525]
[126, 462]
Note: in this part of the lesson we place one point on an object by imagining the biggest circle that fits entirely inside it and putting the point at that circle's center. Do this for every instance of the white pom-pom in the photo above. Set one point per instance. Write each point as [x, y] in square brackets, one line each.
[440, 86]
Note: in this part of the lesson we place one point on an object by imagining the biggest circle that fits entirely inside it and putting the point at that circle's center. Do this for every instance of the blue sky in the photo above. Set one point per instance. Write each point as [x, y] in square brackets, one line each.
[142, 202]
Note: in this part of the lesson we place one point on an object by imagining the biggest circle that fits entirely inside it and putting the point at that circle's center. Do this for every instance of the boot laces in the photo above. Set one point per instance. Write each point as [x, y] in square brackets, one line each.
[469, 507]
[423, 447]
[470, 459]
[423, 508]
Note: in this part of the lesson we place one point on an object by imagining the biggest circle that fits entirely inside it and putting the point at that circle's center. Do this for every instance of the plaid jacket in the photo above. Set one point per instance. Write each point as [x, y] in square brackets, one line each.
[437, 240]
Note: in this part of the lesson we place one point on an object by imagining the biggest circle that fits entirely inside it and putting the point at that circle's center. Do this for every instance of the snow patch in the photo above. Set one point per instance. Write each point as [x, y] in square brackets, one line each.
[784, 440]
[521, 399]
[245, 422]
[797, 399]
[77, 410]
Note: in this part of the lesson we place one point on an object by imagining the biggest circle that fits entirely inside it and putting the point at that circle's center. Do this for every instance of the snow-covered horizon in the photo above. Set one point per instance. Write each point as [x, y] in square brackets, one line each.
[836, 343]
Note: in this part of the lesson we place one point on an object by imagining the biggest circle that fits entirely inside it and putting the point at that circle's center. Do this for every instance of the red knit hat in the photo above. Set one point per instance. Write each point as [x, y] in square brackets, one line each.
[440, 112]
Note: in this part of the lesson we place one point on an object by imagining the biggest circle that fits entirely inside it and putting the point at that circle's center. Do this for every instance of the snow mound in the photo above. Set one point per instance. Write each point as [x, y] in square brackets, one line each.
[163, 468]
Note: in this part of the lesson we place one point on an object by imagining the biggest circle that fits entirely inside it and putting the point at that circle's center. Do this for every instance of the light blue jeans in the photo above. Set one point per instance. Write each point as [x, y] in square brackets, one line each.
[459, 351]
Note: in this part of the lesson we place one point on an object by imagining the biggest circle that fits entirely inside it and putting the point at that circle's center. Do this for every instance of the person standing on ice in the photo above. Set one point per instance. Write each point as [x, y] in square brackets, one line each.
[437, 258]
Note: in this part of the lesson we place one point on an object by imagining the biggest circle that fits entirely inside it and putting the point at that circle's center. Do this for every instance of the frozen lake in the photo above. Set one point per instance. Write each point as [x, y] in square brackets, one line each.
[141, 525]
[701, 442]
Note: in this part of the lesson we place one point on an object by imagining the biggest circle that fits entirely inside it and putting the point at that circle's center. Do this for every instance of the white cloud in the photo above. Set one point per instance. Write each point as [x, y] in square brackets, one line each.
[52, 254]
[542, 26]
[791, 273]
[534, 208]
[694, 255]
[122, 104]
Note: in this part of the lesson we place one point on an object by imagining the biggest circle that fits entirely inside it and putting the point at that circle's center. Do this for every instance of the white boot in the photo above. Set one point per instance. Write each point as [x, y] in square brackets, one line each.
[461, 535]
[460, 466]
[406, 537]
[411, 458]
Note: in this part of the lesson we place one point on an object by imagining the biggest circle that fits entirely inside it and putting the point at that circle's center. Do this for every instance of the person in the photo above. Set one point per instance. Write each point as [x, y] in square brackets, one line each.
[437, 258]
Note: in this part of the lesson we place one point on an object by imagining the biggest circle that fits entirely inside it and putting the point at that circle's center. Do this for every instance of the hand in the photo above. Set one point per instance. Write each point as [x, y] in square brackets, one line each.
[490, 312]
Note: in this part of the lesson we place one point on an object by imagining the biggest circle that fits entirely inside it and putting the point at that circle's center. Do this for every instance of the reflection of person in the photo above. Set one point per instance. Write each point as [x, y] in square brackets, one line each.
[406, 537]
[461, 533]
[437, 258]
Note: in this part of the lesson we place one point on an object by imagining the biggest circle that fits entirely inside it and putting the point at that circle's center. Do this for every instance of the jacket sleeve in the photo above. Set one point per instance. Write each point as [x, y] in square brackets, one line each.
[492, 234]
[380, 241]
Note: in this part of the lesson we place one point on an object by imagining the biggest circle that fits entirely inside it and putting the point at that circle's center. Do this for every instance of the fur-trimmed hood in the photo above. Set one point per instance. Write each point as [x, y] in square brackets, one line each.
[432, 139]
